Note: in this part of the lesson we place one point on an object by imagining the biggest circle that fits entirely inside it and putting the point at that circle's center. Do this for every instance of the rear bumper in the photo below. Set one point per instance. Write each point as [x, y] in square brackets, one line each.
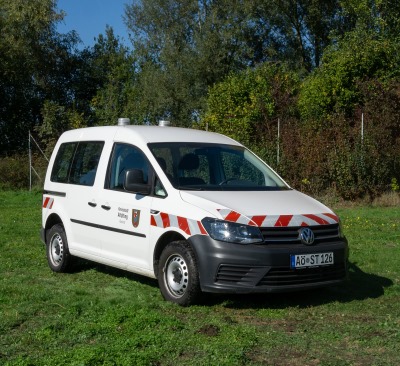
[234, 268]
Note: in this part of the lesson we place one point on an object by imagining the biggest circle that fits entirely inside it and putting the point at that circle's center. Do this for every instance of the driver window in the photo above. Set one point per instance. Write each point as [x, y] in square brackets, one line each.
[126, 157]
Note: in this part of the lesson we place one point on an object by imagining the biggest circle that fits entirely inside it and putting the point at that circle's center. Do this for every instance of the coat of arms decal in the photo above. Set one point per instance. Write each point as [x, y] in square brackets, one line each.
[135, 217]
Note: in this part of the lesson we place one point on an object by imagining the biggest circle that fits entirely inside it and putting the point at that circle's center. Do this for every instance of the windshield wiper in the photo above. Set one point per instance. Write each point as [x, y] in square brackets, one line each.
[189, 188]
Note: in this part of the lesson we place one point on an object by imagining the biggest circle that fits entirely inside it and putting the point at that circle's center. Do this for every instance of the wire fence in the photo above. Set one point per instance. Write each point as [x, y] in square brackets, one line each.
[31, 167]
[353, 159]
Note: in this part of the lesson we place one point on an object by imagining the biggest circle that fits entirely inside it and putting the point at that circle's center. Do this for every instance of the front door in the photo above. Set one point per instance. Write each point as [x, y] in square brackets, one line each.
[125, 216]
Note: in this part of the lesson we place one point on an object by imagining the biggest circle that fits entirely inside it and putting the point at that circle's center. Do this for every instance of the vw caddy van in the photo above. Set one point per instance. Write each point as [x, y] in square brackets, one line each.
[196, 210]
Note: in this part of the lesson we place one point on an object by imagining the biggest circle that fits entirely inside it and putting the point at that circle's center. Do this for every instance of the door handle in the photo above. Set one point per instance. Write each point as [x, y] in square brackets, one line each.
[105, 207]
[92, 204]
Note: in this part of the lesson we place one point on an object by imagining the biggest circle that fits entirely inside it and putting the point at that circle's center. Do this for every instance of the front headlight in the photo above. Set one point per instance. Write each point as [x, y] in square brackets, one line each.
[232, 232]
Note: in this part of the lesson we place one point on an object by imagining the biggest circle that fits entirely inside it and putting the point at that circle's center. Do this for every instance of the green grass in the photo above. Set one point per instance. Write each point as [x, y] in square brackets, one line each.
[101, 316]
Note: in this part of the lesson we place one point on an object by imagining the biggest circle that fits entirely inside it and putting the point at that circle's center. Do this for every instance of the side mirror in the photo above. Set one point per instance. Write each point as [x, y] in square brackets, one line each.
[134, 182]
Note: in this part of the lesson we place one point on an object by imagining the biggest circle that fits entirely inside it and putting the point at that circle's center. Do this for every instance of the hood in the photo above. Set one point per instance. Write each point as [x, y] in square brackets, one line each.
[269, 208]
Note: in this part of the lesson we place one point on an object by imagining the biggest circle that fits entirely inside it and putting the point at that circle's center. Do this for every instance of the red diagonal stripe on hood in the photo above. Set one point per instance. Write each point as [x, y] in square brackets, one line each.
[332, 216]
[258, 220]
[283, 220]
[317, 219]
[232, 216]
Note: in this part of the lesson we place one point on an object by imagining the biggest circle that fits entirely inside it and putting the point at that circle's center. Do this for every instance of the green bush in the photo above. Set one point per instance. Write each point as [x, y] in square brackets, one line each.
[14, 171]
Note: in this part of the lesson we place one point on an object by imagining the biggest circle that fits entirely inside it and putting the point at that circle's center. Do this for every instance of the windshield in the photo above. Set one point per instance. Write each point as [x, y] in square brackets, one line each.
[211, 167]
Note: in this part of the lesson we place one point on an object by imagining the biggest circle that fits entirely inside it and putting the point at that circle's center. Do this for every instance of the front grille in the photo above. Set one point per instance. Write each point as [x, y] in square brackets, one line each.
[286, 276]
[243, 275]
[290, 235]
[279, 276]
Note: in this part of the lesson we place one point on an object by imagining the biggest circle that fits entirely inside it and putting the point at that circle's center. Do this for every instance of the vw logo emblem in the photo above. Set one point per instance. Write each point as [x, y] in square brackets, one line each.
[306, 236]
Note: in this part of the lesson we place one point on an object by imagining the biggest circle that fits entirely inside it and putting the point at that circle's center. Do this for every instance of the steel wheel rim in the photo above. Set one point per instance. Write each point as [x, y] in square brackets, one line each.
[56, 249]
[176, 275]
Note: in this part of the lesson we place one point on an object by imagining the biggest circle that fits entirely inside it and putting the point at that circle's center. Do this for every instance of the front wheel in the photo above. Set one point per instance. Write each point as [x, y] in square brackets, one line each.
[178, 275]
[57, 251]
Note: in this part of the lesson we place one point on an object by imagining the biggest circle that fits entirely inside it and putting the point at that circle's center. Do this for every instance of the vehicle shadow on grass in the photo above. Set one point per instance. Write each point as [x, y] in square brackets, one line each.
[359, 286]
[83, 265]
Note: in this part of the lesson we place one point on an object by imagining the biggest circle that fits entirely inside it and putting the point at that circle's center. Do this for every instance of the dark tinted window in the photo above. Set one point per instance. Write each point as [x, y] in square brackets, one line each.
[77, 163]
[62, 163]
[126, 157]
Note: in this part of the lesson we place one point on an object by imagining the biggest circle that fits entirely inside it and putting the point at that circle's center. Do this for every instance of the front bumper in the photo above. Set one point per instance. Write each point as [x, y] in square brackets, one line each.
[234, 268]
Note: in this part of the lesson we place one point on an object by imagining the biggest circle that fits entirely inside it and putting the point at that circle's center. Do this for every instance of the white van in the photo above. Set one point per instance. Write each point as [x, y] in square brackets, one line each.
[194, 209]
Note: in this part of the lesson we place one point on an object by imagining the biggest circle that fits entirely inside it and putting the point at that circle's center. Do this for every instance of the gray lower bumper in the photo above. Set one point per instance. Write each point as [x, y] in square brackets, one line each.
[234, 268]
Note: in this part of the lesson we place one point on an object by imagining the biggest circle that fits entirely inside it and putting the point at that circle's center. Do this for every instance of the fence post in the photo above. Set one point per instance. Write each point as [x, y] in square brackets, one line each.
[31, 168]
[277, 147]
[362, 128]
[30, 161]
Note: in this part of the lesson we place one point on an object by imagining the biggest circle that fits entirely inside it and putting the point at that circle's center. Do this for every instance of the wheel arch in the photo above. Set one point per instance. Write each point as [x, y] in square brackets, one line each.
[162, 242]
[52, 220]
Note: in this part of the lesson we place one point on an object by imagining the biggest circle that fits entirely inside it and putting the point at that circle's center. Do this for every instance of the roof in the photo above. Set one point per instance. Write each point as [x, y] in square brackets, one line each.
[146, 134]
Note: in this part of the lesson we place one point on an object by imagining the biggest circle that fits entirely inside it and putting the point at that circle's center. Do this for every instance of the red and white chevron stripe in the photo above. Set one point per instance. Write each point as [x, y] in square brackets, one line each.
[233, 216]
[48, 202]
[193, 227]
[189, 226]
[280, 220]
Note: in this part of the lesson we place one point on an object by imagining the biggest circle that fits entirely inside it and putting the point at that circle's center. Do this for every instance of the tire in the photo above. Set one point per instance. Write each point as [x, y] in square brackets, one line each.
[178, 276]
[57, 252]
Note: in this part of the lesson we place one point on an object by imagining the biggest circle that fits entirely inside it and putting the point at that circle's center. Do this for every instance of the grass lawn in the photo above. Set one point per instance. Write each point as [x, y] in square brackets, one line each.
[101, 316]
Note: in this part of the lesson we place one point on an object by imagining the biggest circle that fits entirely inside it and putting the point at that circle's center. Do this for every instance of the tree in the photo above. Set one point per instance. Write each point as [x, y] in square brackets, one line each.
[114, 67]
[184, 47]
[246, 105]
[302, 28]
[163, 36]
[333, 87]
[35, 63]
[359, 75]
[99, 92]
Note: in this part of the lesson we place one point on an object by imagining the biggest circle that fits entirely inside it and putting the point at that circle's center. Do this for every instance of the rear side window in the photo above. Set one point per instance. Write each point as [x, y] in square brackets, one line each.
[62, 163]
[76, 163]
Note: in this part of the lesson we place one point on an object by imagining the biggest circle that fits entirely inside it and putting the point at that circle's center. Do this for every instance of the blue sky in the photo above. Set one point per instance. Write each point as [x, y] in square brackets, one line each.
[90, 17]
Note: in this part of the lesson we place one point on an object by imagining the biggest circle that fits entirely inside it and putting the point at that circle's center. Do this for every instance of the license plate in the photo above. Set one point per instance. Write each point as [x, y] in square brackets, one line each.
[311, 260]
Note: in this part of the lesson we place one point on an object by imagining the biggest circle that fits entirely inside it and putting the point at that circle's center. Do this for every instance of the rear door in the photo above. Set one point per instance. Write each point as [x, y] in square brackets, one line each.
[75, 171]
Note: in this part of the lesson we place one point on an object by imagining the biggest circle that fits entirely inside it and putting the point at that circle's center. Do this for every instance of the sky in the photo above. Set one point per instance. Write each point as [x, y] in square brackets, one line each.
[90, 17]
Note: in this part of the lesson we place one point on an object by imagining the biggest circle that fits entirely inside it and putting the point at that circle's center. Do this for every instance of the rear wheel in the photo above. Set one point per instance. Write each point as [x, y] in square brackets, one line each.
[178, 275]
[58, 256]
